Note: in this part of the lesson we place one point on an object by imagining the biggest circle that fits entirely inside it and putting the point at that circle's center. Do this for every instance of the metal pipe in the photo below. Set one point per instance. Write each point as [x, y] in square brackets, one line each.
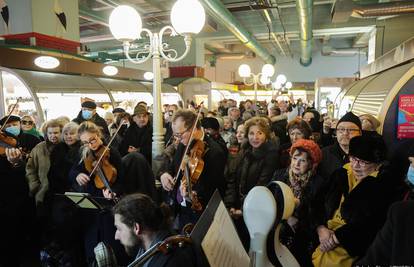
[384, 9]
[221, 15]
[304, 9]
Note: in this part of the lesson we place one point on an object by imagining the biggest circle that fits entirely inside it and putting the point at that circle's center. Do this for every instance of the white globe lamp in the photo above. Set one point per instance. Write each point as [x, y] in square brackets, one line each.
[281, 78]
[264, 80]
[288, 85]
[148, 76]
[277, 85]
[110, 70]
[268, 70]
[244, 70]
[188, 17]
[125, 23]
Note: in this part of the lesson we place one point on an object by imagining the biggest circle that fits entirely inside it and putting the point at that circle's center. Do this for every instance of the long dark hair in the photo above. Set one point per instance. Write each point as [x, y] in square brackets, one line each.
[140, 208]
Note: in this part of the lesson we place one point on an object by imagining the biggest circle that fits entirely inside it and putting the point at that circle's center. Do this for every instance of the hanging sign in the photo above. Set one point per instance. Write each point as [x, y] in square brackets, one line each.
[405, 116]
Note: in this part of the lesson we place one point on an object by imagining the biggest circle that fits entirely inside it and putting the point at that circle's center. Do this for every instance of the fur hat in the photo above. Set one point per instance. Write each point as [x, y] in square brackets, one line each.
[11, 119]
[351, 117]
[140, 109]
[211, 123]
[368, 148]
[311, 148]
[89, 104]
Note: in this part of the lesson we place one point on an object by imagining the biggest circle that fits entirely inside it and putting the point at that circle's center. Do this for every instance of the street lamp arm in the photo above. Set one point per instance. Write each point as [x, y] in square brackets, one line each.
[138, 59]
[172, 55]
[245, 81]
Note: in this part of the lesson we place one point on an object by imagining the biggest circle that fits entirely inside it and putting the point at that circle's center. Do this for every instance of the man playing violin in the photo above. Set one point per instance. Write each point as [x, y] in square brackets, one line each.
[15, 204]
[98, 226]
[211, 177]
[140, 224]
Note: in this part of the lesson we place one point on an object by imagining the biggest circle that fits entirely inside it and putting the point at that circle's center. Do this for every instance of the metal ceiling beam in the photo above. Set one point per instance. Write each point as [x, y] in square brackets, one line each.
[222, 15]
[304, 9]
[92, 16]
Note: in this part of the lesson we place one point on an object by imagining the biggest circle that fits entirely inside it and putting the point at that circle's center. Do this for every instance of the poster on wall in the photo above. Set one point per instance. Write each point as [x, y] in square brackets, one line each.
[405, 117]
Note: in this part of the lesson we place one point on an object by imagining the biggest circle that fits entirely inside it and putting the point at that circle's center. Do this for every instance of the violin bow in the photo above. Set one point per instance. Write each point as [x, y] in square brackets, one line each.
[10, 113]
[106, 148]
[189, 141]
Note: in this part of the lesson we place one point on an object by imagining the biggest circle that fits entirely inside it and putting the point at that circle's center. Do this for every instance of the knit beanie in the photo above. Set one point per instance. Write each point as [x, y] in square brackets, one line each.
[350, 117]
[311, 148]
[140, 109]
[211, 123]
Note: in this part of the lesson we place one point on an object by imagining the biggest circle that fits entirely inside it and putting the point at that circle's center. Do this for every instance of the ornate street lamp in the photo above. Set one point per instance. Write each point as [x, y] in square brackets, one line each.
[187, 18]
[262, 78]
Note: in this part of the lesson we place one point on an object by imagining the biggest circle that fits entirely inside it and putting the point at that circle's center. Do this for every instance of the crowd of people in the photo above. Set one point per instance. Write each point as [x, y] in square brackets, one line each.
[340, 171]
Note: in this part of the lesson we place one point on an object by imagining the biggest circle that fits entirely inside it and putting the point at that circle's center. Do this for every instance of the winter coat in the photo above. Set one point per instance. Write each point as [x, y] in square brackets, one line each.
[333, 158]
[279, 124]
[393, 244]
[140, 138]
[364, 209]
[98, 120]
[255, 168]
[37, 168]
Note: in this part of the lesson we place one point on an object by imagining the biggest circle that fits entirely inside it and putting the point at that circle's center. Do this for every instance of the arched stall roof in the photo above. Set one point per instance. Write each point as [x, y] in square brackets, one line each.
[195, 89]
[378, 95]
[45, 82]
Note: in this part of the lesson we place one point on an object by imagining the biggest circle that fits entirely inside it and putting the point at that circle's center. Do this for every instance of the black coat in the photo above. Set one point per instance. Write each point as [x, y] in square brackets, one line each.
[304, 239]
[393, 245]
[98, 120]
[212, 176]
[364, 209]
[333, 158]
[279, 128]
[140, 138]
[256, 168]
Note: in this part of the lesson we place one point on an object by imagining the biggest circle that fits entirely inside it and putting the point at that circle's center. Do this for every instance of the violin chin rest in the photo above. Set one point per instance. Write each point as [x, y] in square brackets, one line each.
[259, 211]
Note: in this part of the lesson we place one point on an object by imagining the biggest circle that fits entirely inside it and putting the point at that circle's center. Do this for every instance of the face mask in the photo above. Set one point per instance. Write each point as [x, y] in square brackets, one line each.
[13, 130]
[410, 175]
[86, 114]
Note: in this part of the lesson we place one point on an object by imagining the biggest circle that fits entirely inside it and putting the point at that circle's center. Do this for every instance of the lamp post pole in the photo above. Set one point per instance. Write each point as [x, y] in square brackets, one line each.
[126, 25]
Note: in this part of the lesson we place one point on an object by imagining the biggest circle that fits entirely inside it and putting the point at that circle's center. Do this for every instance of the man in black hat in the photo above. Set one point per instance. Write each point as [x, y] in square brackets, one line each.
[88, 113]
[16, 205]
[336, 155]
[138, 137]
[212, 128]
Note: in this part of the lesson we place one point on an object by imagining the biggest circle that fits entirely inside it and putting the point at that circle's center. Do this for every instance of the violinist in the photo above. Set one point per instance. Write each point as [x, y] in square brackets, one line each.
[15, 204]
[211, 177]
[97, 226]
[140, 224]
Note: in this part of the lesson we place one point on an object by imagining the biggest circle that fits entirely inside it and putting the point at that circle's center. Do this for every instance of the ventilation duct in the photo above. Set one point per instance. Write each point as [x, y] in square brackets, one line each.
[304, 9]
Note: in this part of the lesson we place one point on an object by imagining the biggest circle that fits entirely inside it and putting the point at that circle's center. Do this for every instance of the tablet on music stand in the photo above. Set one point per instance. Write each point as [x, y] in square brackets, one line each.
[83, 200]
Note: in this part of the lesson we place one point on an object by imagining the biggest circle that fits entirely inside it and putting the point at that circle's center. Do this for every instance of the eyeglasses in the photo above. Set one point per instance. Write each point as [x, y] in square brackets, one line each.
[27, 122]
[343, 130]
[179, 135]
[91, 142]
[361, 162]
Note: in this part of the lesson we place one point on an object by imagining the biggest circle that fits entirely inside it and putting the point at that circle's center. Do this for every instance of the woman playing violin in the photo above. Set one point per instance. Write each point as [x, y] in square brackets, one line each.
[92, 145]
[97, 226]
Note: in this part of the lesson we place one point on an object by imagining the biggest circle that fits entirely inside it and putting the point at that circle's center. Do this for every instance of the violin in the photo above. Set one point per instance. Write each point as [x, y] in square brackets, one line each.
[192, 165]
[163, 247]
[5, 140]
[106, 172]
[98, 161]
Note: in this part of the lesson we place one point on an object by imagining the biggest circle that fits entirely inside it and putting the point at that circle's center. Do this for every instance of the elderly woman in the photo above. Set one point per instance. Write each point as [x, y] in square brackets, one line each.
[29, 126]
[355, 206]
[297, 232]
[297, 129]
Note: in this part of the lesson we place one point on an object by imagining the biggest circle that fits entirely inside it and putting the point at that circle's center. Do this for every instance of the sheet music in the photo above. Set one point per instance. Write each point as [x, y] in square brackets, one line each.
[81, 201]
[221, 244]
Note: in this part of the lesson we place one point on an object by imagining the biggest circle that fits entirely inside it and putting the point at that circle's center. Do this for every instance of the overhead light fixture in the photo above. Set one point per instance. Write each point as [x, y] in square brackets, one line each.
[110, 70]
[46, 62]
[148, 75]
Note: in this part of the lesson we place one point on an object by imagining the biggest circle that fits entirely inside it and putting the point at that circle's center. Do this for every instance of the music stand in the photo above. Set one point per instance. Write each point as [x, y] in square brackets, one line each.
[83, 200]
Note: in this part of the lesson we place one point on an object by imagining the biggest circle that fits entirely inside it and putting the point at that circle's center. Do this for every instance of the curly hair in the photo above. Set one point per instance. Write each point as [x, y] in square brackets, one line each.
[260, 122]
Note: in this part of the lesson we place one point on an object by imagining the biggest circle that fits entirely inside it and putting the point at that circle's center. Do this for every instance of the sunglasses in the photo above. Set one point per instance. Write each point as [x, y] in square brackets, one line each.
[27, 122]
